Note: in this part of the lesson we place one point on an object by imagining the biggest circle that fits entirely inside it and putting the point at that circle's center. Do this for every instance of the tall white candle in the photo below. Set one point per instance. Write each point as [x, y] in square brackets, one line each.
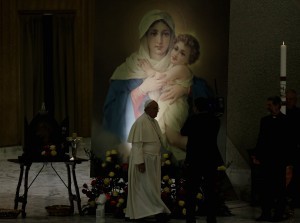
[283, 76]
[283, 60]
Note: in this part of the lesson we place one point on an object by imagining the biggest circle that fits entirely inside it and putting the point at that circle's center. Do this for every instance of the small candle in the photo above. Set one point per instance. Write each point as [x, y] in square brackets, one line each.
[283, 60]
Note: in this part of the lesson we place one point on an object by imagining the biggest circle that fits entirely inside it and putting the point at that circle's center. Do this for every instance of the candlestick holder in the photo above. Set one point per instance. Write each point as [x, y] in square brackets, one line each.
[74, 141]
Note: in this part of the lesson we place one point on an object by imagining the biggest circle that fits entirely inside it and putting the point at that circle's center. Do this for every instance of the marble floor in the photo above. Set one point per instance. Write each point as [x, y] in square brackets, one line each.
[47, 189]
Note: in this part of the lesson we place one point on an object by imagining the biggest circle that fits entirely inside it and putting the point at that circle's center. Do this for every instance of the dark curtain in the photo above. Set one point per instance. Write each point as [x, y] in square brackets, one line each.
[32, 66]
[47, 65]
[64, 68]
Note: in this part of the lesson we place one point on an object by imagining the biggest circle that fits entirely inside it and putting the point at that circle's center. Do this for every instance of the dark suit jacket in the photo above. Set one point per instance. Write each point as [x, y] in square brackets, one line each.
[202, 150]
[274, 144]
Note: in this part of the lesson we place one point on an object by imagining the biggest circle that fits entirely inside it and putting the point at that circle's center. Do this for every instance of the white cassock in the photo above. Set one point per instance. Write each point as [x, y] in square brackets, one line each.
[144, 189]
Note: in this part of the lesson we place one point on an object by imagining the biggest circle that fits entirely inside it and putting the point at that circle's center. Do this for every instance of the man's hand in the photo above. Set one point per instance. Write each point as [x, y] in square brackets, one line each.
[255, 161]
[141, 167]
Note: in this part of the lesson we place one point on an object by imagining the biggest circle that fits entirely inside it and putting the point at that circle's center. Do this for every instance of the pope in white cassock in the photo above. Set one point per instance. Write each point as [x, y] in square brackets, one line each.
[144, 173]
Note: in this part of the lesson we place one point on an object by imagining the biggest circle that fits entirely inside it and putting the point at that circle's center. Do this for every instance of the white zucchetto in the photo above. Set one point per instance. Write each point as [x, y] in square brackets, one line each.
[147, 103]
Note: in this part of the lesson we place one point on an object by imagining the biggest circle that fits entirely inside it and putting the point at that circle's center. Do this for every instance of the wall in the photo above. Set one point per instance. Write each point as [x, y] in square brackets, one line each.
[257, 29]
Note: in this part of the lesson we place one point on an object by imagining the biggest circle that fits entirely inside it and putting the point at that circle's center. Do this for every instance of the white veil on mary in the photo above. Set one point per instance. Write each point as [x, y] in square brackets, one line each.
[130, 68]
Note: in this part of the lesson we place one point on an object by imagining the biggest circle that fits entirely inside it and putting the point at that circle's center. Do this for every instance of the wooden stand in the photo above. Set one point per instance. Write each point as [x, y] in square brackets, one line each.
[70, 165]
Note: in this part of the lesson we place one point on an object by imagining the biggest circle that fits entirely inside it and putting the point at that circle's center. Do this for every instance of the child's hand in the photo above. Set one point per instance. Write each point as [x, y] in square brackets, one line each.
[160, 76]
[173, 92]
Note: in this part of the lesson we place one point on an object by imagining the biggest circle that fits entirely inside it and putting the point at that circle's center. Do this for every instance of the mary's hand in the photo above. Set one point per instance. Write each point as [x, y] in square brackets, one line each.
[173, 92]
[146, 66]
[152, 83]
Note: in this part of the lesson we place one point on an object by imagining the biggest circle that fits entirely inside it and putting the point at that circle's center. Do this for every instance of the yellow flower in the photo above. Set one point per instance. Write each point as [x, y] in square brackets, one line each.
[103, 164]
[114, 152]
[115, 193]
[221, 168]
[53, 153]
[181, 203]
[166, 155]
[106, 181]
[166, 178]
[199, 196]
[167, 189]
[111, 174]
[108, 153]
[52, 147]
[121, 200]
[184, 211]
[108, 159]
[168, 162]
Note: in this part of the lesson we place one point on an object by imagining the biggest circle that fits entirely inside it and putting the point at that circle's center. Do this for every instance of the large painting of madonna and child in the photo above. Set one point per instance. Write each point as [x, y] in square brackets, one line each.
[169, 51]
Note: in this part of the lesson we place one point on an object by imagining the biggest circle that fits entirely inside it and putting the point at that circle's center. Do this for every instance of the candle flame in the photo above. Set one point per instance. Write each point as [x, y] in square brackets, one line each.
[282, 42]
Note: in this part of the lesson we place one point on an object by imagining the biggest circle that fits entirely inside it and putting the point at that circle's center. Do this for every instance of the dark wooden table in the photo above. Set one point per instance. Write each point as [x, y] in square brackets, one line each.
[71, 167]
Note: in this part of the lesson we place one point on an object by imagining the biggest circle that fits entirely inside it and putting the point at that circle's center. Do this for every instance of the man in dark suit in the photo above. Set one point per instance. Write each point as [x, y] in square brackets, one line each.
[202, 156]
[272, 153]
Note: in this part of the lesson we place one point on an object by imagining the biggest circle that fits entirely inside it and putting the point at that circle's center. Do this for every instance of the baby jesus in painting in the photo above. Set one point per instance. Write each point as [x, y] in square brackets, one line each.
[172, 114]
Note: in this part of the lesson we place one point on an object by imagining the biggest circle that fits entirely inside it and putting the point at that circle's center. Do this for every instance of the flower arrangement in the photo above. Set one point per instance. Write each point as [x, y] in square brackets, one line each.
[174, 188]
[112, 181]
[49, 150]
